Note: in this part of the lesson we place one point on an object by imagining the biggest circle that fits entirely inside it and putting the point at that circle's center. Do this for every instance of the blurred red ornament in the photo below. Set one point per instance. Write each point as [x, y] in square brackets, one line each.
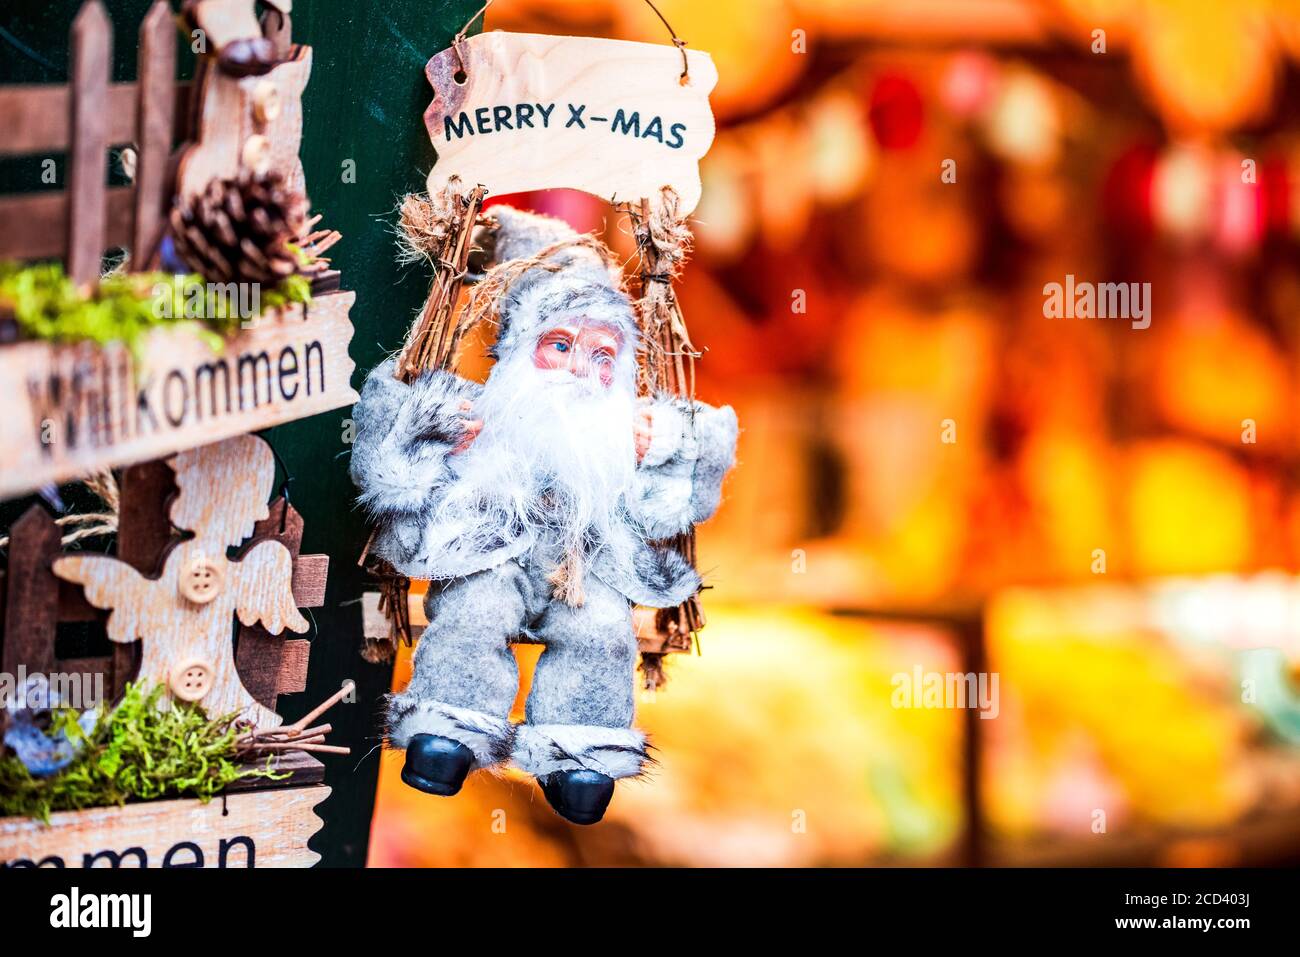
[1275, 195]
[1126, 194]
[896, 112]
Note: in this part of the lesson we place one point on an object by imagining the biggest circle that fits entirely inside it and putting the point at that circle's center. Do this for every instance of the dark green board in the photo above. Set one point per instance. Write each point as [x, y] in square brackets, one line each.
[365, 103]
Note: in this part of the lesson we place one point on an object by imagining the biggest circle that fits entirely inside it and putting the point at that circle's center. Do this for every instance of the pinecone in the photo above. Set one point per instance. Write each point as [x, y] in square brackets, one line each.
[242, 229]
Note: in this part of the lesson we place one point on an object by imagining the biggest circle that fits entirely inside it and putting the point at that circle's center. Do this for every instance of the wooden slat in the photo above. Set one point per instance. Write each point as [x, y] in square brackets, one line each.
[35, 118]
[260, 655]
[310, 574]
[92, 41]
[157, 75]
[145, 529]
[73, 605]
[32, 598]
[32, 225]
[86, 666]
[143, 539]
[293, 666]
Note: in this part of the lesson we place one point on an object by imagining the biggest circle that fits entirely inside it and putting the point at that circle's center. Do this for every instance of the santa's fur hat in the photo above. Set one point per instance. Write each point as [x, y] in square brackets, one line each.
[586, 286]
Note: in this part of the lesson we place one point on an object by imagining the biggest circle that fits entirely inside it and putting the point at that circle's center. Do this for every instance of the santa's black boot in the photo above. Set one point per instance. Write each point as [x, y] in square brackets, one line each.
[436, 765]
[578, 796]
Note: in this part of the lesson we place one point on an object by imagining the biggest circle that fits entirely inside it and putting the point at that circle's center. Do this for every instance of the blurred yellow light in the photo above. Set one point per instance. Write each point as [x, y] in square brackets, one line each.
[842, 152]
[1084, 677]
[1208, 65]
[1182, 191]
[1215, 370]
[1024, 122]
[725, 219]
[1188, 510]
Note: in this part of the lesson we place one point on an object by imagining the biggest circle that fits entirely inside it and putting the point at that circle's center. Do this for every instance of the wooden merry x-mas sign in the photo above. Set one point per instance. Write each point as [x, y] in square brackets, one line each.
[517, 112]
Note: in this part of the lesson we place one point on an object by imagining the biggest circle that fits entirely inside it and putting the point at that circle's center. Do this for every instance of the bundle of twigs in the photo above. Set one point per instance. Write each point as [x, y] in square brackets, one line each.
[302, 735]
[314, 243]
[438, 229]
[663, 240]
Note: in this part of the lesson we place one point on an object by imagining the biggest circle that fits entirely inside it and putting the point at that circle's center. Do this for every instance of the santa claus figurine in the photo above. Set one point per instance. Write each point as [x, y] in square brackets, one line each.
[538, 505]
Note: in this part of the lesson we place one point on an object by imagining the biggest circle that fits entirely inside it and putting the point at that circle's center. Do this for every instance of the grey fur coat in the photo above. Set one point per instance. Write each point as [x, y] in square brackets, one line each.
[399, 462]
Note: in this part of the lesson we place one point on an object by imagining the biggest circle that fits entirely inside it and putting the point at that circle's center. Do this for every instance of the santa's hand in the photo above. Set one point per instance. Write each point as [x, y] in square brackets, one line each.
[643, 431]
[471, 428]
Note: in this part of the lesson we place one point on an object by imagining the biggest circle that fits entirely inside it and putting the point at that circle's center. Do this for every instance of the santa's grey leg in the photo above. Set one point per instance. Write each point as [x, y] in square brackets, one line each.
[465, 677]
[580, 708]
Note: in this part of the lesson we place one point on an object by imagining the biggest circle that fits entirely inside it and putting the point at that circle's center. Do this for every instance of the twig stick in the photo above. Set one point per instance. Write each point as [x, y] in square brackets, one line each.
[260, 741]
[321, 748]
[347, 689]
[664, 242]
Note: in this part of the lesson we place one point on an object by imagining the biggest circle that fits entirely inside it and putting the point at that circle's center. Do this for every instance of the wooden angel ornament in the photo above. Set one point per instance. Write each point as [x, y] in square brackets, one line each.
[184, 617]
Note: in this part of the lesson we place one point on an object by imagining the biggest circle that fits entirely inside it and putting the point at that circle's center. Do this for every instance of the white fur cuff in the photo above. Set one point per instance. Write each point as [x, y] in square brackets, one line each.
[542, 749]
[491, 739]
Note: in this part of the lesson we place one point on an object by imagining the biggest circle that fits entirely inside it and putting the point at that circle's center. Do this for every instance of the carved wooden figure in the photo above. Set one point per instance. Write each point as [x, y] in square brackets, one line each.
[184, 618]
[246, 118]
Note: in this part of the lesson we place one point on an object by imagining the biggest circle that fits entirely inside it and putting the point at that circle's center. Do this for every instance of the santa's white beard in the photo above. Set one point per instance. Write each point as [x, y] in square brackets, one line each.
[556, 455]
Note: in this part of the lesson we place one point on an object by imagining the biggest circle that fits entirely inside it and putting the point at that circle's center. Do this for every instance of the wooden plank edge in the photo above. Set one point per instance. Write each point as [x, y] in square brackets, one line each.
[304, 771]
[375, 625]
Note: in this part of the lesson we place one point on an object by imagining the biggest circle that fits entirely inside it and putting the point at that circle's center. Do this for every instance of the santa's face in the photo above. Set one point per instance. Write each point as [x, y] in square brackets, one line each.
[549, 442]
[582, 349]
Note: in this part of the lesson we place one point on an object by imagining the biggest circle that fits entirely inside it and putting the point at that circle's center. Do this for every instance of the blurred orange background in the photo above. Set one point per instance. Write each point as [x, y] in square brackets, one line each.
[932, 473]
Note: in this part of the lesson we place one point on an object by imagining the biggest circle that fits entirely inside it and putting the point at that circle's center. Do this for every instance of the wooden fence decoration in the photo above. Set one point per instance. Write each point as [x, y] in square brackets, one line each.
[85, 117]
[36, 602]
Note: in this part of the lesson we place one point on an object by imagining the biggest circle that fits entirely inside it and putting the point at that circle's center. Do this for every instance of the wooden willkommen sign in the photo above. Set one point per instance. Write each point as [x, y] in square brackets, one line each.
[609, 117]
[74, 408]
[267, 828]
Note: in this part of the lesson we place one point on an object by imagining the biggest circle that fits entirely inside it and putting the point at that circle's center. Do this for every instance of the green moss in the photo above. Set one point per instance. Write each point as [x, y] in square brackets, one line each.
[290, 290]
[125, 307]
[136, 752]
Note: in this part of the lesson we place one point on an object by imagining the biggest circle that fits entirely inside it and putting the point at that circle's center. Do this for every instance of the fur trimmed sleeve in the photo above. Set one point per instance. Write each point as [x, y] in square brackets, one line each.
[716, 431]
[403, 435]
[679, 480]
